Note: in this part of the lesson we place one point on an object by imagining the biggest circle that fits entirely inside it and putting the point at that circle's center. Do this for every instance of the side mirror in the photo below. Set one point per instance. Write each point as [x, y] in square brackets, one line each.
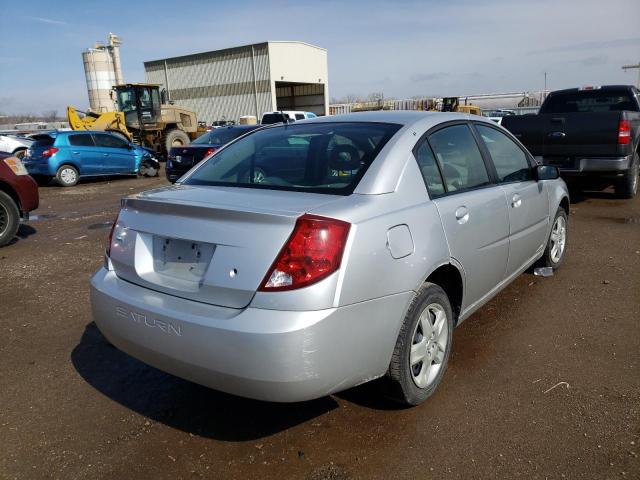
[547, 172]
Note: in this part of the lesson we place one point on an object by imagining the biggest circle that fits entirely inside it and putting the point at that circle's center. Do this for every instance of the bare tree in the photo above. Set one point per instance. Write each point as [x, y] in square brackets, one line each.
[50, 115]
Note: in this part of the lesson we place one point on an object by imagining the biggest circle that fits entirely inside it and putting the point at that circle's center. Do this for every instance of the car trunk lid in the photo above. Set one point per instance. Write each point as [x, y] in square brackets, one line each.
[207, 244]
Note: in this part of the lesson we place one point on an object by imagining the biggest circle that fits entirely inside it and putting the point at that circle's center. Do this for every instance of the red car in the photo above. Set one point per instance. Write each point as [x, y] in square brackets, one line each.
[18, 196]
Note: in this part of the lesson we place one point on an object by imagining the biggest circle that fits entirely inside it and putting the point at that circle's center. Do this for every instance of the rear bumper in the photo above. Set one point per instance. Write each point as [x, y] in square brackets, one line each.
[283, 356]
[606, 166]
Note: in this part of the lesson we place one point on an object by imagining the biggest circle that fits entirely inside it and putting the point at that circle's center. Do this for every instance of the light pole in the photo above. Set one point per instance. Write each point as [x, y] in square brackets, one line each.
[631, 67]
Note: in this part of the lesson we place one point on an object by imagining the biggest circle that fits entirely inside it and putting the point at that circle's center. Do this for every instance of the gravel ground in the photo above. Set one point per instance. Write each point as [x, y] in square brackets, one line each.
[543, 382]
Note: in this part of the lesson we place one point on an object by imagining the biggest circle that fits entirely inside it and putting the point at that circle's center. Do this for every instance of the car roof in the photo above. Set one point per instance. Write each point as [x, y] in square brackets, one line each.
[400, 117]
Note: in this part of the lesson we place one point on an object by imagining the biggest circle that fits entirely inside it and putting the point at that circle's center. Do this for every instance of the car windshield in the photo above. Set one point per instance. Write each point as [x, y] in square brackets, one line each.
[219, 136]
[313, 157]
[589, 101]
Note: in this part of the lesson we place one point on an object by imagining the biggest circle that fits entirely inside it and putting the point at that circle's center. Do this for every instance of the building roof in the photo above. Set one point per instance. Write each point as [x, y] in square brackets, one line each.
[237, 47]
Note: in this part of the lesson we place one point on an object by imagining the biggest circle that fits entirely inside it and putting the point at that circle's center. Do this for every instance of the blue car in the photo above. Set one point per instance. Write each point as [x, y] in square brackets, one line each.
[67, 156]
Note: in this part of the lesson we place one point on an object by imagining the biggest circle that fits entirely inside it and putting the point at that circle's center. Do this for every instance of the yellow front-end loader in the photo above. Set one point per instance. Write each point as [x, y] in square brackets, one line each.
[141, 118]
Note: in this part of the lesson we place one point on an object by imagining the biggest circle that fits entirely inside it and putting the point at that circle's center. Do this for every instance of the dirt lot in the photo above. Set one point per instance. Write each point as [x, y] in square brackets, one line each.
[72, 406]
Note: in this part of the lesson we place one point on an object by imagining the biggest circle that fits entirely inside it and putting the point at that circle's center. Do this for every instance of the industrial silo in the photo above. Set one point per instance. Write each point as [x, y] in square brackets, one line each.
[102, 71]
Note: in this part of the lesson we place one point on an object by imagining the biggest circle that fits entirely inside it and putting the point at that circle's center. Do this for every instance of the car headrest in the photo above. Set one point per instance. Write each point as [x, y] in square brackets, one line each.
[344, 158]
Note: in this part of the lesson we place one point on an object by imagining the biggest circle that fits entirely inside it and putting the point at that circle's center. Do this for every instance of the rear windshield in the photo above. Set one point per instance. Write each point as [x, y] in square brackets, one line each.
[220, 136]
[270, 118]
[42, 140]
[589, 101]
[316, 157]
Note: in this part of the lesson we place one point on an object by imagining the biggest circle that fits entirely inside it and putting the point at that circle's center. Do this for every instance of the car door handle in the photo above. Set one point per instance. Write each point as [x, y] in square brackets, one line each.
[76, 153]
[516, 201]
[557, 135]
[105, 154]
[462, 215]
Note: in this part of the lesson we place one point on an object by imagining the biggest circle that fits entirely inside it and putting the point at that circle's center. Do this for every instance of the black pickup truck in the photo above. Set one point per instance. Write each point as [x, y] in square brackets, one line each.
[591, 134]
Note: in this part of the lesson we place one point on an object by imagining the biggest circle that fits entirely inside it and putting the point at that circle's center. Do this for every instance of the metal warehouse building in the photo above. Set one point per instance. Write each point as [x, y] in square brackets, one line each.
[247, 80]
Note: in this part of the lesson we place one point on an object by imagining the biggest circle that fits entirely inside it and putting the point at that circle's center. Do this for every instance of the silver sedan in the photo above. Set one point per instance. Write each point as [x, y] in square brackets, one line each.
[305, 259]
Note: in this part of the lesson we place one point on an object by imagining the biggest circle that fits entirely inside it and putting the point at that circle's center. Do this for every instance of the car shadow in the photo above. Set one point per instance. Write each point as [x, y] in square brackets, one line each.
[179, 403]
[24, 231]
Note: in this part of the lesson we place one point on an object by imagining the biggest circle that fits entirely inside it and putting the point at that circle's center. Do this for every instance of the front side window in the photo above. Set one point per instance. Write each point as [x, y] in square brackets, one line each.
[459, 158]
[510, 161]
[429, 168]
[320, 157]
[110, 141]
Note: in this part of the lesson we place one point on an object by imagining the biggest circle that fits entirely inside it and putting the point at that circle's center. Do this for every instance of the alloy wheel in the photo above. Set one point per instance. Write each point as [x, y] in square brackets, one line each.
[429, 344]
[558, 239]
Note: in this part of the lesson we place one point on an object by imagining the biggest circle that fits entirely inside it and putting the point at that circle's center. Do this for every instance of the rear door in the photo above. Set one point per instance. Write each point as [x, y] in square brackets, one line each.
[527, 199]
[83, 152]
[116, 154]
[472, 209]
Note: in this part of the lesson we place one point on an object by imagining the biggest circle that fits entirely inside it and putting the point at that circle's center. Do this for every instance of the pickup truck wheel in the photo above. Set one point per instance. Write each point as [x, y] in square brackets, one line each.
[9, 219]
[628, 186]
[67, 176]
[556, 243]
[422, 349]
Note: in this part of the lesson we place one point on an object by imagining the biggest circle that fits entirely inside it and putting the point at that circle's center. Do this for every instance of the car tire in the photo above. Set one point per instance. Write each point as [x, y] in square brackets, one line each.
[9, 219]
[175, 138]
[557, 239]
[67, 176]
[421, 354]
[627, 187]
[20, 153]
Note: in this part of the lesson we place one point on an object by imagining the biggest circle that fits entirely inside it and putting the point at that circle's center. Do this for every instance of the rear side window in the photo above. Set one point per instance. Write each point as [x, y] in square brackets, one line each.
[429, 169]
[110, 141]
[459, 158]
[510, 161]
[299, 116]
[220, 136]
[316, 157]
[589, 101]
[81, 140]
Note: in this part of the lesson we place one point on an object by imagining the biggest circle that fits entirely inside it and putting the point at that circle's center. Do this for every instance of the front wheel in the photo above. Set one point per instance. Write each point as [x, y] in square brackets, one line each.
[556, 243]
[148, 169]
[20, 154]
[422, 348]
[9, 219]
[176, 138]
[67, 176]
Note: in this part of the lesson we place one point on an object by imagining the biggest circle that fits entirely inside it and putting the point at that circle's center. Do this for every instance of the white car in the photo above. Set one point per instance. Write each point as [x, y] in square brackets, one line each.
[269, 118]
[14, 145]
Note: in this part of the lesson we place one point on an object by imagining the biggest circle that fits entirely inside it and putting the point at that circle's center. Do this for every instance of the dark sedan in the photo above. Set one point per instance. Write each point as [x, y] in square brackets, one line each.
[181, 159]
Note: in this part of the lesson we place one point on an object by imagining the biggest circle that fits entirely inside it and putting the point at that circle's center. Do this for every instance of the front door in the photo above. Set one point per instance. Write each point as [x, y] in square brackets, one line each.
[473, 211]
[118, 157]
[527, 200]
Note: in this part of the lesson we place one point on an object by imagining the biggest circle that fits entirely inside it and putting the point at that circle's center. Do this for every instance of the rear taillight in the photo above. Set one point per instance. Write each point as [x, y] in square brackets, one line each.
[209, 152]
[113, 227]
[624, 132]
[312, 252]
[50, 152]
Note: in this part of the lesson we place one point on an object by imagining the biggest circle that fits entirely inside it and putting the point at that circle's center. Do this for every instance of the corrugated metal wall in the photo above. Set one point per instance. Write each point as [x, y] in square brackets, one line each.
[218, 84]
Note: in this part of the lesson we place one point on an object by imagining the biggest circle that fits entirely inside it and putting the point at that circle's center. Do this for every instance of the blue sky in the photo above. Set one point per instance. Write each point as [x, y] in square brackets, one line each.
[402, 48]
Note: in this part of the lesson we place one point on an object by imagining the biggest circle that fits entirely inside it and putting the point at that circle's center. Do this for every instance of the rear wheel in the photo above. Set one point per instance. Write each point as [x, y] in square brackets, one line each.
[9, 219]
[422, 349]
[176, 138]
[627, 187]
[67, 176]
[20, 154]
